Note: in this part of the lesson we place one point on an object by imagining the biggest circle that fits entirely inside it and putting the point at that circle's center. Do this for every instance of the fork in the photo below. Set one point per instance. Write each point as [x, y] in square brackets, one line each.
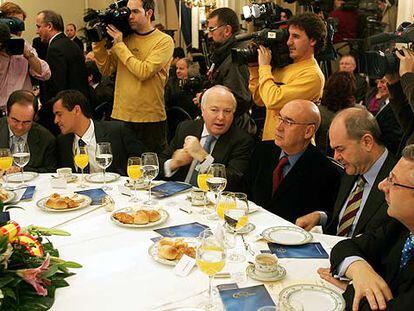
[247, 246]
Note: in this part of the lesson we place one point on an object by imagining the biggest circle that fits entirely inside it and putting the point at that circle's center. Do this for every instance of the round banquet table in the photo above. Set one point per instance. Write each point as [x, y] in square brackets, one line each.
[119, 274]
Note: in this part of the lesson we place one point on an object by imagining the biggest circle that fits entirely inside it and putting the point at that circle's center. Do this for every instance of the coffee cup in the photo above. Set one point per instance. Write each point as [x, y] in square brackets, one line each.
[64, 172]
[265, 264]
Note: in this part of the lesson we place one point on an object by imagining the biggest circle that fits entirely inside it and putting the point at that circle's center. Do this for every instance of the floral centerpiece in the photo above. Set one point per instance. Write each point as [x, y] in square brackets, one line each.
[30, 267]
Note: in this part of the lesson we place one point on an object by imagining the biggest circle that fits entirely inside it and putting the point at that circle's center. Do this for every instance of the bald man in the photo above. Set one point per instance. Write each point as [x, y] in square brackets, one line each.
[213, 139]
[289, 177]
[356, 139]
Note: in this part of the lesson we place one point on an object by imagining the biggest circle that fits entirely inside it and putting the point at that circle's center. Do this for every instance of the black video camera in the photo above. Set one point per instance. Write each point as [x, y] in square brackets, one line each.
[116, 14]
[263, 15]
[8, 25]
[378, 63]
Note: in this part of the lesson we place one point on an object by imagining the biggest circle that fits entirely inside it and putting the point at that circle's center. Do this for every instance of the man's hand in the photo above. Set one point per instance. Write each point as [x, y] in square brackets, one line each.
[406, 61]
[367, 283]
[180, 158]
[392, 78]
[326, 275]
[309, 221]
[115, 34]
[193, 147]
[197, 99]
[265, 55]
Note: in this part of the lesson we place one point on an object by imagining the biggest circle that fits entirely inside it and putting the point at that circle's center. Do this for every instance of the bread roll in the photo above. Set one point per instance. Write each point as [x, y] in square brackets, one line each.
[141, 218]
[153, 215]
[59, 204]
[166, 241]
[168, 252]
[124, 218]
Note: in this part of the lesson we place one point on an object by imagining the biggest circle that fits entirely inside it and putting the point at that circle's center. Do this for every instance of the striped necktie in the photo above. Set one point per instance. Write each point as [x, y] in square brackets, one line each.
[407, 252]
[352, 208]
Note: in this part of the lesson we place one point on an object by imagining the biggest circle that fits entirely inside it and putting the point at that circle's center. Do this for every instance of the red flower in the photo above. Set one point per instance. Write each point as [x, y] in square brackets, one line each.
[33, 276]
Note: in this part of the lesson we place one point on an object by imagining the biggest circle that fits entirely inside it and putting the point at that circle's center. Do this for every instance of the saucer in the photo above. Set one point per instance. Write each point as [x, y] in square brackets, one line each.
[246, 229]
[279, 274]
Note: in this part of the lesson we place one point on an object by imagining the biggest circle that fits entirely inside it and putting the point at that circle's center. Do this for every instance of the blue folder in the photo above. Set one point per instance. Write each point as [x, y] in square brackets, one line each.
[310, 250]
[186, 230]
[95, 194]
[246, 299]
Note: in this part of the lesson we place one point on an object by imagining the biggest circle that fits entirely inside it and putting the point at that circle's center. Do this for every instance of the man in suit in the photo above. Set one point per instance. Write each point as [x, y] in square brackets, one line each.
[73, 119]
[70, 32]
[66, 62]
[356, 139]
[289, 177]
[380, 263]
[19, 126]
[198, 143]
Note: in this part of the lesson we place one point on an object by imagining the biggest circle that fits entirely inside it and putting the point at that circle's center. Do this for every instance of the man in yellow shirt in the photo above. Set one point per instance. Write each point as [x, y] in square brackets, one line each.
[303, 79]
[141, 61]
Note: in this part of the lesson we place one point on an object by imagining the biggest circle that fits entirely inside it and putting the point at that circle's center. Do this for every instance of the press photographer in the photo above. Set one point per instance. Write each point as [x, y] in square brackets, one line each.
[141, 61]
[274, 86]
[18, 59]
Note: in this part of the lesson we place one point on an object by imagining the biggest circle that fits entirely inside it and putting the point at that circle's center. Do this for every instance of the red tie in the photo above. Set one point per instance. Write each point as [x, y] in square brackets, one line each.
[278, 173]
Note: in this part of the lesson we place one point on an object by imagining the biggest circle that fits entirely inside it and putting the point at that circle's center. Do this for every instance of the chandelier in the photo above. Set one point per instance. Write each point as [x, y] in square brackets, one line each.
[200, 3]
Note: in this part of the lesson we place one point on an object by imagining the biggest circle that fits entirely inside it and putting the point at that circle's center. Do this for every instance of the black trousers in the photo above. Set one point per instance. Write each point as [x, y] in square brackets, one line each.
[152, 134]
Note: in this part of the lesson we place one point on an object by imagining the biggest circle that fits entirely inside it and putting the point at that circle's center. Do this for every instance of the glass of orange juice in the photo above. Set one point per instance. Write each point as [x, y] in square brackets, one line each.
[6, 161]
[202, 184]
[134, 171]
[82, 160]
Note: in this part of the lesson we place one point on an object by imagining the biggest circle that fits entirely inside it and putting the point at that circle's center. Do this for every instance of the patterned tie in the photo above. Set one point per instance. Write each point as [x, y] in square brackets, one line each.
[352, 208]
[206, 147]
[15, 139]
[407, 252]
[278, 173]
[81, 143]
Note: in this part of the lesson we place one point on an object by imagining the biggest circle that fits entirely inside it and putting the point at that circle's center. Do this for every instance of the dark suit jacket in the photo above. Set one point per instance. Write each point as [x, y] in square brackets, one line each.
[123, 142]
[79, 43]
[232, 149]
[41, 145]
[310, 185]
[375, 209]
[382, 250]
[67, 65]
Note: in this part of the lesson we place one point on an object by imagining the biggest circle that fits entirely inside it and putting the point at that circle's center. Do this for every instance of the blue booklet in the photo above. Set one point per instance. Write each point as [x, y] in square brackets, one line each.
[310, 250]
[169, 188]
[186, 230]
[95, 194]
[28, 193]
[246, 299]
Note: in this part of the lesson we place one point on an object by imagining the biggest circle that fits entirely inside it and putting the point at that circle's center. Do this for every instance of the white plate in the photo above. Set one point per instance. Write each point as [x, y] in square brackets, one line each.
[97, 178]
[286, 235]
[163, 213]
[86, 202]
[321, 298]
[19, 177]
[246, 229]
[153, 251]
[279, 275]
[10, 196]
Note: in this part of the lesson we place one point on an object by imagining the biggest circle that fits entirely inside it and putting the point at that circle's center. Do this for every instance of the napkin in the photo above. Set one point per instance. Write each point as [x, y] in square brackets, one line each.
[247, 298]
[186, 230]
[310, 250]
[95, 194]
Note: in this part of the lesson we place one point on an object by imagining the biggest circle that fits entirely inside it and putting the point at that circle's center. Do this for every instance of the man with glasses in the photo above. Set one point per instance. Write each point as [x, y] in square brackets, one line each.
[355, 138]
[290, 177]
[380, 263]
[215, 138]
[273, 86]
[223, 25]
[18, 126]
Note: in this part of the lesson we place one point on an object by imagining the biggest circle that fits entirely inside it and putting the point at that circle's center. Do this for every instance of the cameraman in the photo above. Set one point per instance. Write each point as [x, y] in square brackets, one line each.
[274, 87]
[401, 88]
[15, 70]
[141, 62]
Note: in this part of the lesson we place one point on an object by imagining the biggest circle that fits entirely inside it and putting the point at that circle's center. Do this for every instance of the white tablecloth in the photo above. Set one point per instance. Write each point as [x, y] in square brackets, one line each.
[118, 273]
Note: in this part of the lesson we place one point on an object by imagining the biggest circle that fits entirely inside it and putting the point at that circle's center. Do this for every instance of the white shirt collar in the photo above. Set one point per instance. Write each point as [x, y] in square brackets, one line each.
[54, 37]
[89, 134]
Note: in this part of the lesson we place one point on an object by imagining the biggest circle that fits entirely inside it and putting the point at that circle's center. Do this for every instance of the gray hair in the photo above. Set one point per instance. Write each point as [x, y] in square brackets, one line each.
[408, 154]
[54, 18]
[358, 122]
[218, 87]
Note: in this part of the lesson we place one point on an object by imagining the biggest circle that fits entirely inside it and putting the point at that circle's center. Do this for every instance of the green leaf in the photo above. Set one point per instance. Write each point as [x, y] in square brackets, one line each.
[6, 280]
[50, 271]
[72, 264]
[47, 231]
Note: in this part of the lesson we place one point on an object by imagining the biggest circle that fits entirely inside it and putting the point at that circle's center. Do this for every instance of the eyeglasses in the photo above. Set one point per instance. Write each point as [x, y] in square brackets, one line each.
[291, 122]
[213, 29]
[392, 183]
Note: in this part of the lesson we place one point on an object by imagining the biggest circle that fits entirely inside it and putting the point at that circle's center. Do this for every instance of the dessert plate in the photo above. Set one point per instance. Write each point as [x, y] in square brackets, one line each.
[163, 213]
[19, 177]
[286, 235]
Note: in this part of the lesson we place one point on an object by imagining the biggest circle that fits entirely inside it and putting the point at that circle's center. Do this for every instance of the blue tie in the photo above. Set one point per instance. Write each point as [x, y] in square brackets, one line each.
[81, 143]
[206, 147]
[407, 252]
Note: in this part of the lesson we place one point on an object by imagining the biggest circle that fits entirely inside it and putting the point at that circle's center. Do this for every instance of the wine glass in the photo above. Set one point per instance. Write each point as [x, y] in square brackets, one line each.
[103, 157]
[150, 168]
[210, 258]
[6, 162]
[134, 170]
[202, 184]
[216, 182]
[21, 156]
[81, 161]
[236, 218]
